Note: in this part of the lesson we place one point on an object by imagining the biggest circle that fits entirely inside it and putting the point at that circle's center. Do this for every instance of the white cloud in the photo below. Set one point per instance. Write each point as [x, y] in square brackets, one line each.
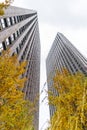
[58, 12]
[78, 7]
[47, 35]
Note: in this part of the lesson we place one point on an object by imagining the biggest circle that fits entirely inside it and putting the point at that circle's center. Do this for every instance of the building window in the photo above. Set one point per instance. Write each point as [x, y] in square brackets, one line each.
[1, 47]
[17, 50]
[13, 21]
[22, 57]
[16, 19]
[5, 22]
[12, 37]
[9, 38]
[4, 45]
[2, 23]
[7, 42]
[18, 33]
[8, 21]
[15, 34]
[20, 18]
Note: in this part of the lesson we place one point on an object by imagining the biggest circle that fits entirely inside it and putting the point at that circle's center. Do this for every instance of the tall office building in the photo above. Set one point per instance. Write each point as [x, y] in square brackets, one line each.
[63, 55]
[19, 31]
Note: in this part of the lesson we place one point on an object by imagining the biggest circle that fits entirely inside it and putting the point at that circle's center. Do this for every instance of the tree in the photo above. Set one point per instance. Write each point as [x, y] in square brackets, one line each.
[15, 112]
[4, 5]
[70, 103]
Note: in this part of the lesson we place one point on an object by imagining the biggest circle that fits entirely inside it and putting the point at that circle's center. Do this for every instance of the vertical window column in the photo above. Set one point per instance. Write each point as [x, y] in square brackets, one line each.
[13, 21]
[8, 22]
[2, 23]
[9, 40]
[4, 45]
[6, 42]
[12, 38]
[5, 22]
[1, 47]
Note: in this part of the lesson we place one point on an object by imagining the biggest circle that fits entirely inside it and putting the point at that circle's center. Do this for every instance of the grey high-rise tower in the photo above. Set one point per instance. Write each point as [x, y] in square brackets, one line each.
[63, 55]
[19, 31]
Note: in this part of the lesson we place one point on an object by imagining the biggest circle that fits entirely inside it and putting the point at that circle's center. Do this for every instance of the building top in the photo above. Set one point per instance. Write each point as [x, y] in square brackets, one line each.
[13, 11]
[67, 43]
[67, 54]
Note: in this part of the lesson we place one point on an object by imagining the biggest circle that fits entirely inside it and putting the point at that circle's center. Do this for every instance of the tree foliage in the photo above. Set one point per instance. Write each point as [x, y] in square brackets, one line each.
[4, 5]
[15, 112]
[70, 103]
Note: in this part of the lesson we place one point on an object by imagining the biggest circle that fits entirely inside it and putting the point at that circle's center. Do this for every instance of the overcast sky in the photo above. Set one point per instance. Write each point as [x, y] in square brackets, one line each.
[66, 16]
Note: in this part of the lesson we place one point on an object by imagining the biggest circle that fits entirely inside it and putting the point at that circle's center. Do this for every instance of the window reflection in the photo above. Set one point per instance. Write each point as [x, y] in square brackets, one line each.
[1, 47]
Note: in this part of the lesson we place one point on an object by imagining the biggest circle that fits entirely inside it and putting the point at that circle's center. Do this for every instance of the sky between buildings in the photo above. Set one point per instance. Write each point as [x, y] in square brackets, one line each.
[66, 16]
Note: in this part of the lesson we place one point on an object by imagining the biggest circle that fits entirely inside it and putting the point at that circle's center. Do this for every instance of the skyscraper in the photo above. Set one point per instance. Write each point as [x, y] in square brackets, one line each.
[63, 55]
[19, 32]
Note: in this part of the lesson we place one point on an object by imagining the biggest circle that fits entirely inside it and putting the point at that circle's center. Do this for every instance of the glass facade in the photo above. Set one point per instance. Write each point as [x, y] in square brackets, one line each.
[19, 31]
[63, 55]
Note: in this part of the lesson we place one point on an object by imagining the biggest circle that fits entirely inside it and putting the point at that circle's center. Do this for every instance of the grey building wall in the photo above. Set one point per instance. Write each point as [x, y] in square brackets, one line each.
[19, 31]
[63, 55]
